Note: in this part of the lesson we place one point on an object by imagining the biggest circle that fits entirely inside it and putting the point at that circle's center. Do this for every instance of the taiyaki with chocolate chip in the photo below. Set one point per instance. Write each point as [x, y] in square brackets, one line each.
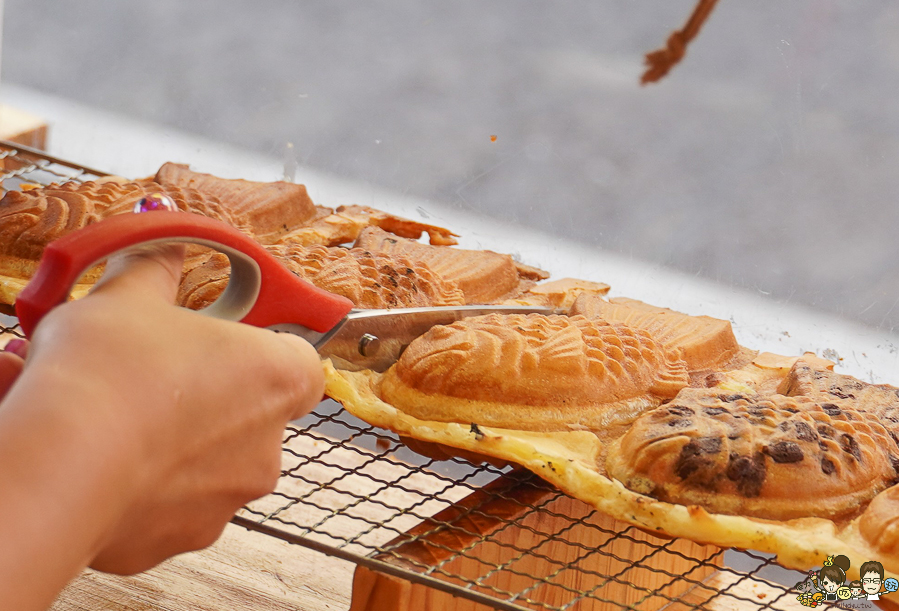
[771, 456]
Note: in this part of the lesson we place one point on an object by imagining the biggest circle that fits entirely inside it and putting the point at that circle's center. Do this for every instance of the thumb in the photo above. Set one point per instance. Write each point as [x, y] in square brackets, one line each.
[152, 271]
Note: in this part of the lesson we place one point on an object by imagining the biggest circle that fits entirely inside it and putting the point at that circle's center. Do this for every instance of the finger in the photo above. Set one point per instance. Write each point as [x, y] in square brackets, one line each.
[17, 346]
[10, 368]
[153, 270]
[305, 367]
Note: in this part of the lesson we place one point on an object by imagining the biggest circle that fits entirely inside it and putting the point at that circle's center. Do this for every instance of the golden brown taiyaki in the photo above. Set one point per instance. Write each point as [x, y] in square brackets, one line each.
[706, 344]
[29, 220]
[283, 212]
[769, 455]
[368, 280]
[533, 372]
[270, 209]
[482, 275]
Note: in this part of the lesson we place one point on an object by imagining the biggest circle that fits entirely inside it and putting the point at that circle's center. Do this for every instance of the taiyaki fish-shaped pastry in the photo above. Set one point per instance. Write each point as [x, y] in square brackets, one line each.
[29, 220]
[369, 280]
[483, 276]
[271, 209]
[559, 294]
[283, 212]
[807, 380]
[706, 344]
[769, 456]
[533, 372]
[879, 524]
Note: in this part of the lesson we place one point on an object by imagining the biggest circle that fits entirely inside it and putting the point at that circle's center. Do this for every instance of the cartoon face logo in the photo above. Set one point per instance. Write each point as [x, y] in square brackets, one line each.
[831, 586]
[829, 583]
[871, 583]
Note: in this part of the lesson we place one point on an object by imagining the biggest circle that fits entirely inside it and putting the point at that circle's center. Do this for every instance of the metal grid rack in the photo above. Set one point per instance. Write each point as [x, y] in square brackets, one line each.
[487, 534]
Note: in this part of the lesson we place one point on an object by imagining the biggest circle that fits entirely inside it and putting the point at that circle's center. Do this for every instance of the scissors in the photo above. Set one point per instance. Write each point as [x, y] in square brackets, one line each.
[261, 291]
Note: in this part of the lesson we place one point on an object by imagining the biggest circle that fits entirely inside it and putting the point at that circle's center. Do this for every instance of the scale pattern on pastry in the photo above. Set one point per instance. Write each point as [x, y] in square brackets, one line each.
[29, 220]
[369, 280]
[707, 344]
[533, 372]
[284, 212]
[270, 209]
[483, 276]
[275, 213]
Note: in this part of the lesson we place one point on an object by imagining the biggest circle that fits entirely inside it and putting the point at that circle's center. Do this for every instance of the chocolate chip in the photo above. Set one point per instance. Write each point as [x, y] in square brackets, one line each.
[784, 452]
[831, 410]
[680, 423]
[476, 431]
[827, 466]
[804, 432]
[715, 411]
[680, 410]
[841, 393]
[731, 398]
[748, 473]
[708, 445]
[825, 430]
[687, 465]
[850, 446]
[894, 461]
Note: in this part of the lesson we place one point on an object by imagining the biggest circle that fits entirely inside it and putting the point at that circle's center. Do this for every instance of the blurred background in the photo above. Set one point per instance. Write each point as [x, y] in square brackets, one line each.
[767, 160]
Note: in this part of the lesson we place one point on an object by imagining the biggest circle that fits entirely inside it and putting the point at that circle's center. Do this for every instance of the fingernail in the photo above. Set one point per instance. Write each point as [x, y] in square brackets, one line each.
[19, 347]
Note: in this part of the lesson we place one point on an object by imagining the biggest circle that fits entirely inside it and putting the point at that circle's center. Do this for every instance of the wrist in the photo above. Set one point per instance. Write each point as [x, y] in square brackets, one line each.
[67, 475]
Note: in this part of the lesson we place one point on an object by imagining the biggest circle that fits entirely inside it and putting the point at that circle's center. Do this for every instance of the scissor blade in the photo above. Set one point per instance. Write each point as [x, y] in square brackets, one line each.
[375, 339]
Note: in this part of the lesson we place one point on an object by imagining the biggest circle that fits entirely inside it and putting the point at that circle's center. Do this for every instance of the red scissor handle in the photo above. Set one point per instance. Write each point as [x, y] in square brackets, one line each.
[261, 291]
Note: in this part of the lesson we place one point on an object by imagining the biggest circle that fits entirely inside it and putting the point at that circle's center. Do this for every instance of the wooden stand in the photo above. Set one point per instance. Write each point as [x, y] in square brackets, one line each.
[22, 128]
[575, 548]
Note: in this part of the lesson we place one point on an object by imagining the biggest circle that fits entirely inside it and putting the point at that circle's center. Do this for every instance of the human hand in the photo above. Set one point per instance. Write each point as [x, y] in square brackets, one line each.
[192, 408]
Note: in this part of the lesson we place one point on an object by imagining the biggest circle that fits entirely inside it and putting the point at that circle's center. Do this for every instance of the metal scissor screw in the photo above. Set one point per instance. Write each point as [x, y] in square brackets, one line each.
[369, 344]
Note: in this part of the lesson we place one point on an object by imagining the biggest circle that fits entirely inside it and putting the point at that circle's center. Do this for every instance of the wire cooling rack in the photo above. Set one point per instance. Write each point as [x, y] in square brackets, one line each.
[442, 533]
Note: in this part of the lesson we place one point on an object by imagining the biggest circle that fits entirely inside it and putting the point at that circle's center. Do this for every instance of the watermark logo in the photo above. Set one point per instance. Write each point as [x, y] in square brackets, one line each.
[828, 585]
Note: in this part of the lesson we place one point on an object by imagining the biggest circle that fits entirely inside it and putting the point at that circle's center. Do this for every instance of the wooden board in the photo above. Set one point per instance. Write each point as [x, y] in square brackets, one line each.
[498, 544]
[22, 128]
[243, 571]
